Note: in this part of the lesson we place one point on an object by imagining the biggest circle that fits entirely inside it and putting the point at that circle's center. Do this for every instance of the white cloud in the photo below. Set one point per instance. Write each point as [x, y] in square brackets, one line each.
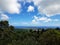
[4, 17]
[35, 17]
[30, 9]
[47, 7]
[36, 2]
[43, 19]
[34, 21]
[10, 6]
[52, 10]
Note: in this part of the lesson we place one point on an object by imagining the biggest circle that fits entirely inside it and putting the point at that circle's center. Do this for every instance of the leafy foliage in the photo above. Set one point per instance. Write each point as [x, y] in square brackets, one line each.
[11, 36]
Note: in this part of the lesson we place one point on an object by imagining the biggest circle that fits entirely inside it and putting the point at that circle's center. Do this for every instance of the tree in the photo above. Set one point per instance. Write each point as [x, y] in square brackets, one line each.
[57, 28]
[4, 24]
[11, 28]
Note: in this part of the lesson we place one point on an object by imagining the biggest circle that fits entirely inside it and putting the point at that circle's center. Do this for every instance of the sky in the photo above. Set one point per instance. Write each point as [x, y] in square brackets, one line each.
[30, 12]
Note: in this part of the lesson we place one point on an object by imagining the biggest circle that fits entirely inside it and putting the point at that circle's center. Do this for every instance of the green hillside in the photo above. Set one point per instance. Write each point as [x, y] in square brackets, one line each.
[11, 36]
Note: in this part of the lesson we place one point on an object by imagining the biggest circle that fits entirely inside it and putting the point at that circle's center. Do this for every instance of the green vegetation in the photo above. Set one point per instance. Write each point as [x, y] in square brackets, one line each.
[11, 36]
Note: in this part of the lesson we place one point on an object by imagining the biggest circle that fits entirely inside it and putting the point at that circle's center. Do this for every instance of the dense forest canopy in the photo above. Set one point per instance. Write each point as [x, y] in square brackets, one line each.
[11, 36]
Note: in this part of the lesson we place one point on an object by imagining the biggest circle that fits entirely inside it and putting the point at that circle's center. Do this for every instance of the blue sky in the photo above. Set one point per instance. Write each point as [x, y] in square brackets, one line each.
[31, 13]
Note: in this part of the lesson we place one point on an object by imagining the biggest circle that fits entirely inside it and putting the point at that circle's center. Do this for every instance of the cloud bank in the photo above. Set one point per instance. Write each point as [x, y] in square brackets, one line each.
[10, 6]
[43, 19]
[47, 7]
